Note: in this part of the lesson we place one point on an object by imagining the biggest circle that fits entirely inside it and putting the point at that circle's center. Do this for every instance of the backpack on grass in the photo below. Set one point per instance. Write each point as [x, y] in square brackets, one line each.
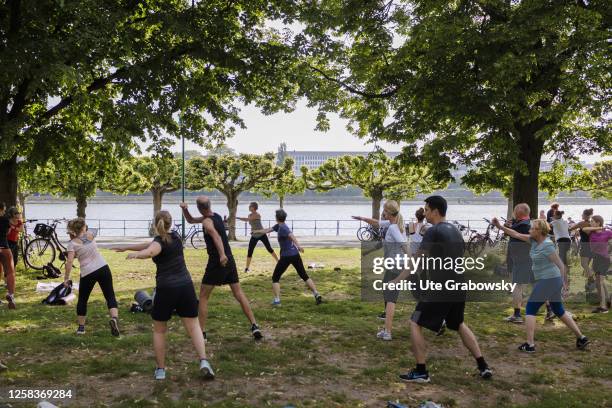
[56, 295]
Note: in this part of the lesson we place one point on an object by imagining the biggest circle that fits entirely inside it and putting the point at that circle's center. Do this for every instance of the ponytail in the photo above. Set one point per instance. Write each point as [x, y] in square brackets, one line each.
[400, 223]
[392, 207]
[163, 221]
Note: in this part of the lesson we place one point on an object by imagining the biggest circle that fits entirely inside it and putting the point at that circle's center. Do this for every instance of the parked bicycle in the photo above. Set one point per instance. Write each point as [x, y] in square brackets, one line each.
[194, 235]
[479, 241]
[369, 233]
[24, 240]
[43, 249]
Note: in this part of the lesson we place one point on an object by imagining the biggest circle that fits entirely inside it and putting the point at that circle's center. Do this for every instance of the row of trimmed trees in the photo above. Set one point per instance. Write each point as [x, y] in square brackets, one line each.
[88, 169]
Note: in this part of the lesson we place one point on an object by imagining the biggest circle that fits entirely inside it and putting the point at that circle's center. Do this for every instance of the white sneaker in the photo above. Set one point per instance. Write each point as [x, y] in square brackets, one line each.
[160, 373]
[206, 370]
[384, 335]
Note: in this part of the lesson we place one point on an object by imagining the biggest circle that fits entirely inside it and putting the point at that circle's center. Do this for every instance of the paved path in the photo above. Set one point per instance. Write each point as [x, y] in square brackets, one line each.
[319, 242]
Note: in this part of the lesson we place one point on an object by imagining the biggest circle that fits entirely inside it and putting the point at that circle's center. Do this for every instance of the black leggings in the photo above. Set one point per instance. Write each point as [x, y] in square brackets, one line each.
[564, 245]
[103, 277]
[253, 242]
[284, 262]
[14, 246]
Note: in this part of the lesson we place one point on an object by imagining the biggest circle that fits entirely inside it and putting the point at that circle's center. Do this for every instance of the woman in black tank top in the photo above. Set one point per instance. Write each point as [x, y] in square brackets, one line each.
[174, 292]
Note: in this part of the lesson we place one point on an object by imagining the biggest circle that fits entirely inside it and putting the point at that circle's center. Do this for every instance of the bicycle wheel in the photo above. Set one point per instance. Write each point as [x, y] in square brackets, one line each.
[39, 252]
[197, 240]
[476, 245]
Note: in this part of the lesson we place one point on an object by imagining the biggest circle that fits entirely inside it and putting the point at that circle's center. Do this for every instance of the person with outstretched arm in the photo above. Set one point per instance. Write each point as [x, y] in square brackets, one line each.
[174, 291]
[221, 267]
[598, 240]
[289, 255]
[254, 219]
[549, 271]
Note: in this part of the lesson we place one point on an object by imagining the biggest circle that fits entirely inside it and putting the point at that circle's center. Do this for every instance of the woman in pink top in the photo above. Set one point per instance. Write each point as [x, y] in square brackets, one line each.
[598, 239]
[94, 269]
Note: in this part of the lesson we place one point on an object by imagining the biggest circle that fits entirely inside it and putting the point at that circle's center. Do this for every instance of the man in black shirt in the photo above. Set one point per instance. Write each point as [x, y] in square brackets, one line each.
[221, 268]
[442, 240]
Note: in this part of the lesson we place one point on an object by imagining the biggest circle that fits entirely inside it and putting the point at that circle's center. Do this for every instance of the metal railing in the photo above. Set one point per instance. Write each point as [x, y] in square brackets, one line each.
[322, 227]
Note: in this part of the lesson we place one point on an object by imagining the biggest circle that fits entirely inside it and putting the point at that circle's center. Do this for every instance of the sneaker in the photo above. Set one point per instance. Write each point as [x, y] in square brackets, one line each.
[527, 348]
[582, 343]
[514, 319]
[318, 299]
[276, 302]
[160, 373]
[486, 373]
[256, 332]
[384, 335]
[246, 270]
[114, 327]
[206, 370]
[11, 302]
[598, 310]
[80, 329]
[442, 329]
[3, 367]
[382, 316]
[414, 376]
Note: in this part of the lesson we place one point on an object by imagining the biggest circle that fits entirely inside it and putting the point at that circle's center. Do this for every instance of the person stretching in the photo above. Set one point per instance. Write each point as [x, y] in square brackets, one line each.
[289, 255]
[174, 291]
[598, 239]
[548, 270]
[93, 269]
[221, 268]
[6, 258]
[395, 243]
[254, 219]
[585, 248]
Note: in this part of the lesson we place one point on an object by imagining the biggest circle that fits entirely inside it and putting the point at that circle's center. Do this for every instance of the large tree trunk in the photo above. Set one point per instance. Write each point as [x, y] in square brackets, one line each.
[510, 209]
[281, 200]
[376, 200]
[81, 200]
[158, 196]
[232, 207]
[525, 186]
[22, 203]
[8, 181]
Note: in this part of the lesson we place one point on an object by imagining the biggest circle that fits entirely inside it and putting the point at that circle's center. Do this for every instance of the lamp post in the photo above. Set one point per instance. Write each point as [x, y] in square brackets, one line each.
[183, 185]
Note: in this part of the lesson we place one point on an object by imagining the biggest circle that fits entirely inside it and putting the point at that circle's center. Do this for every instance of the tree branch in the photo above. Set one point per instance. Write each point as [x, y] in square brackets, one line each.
[351, 89]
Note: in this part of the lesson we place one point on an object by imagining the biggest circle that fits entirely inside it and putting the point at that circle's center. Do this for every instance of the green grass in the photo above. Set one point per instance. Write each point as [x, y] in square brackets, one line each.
[312, 356]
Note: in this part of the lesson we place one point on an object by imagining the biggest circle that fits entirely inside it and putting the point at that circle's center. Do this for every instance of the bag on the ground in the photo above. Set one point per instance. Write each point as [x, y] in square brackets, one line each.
[51, 271]
[57, 294]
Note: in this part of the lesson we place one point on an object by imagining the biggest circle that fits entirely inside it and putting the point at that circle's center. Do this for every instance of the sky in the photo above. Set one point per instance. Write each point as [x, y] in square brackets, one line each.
[297, 129]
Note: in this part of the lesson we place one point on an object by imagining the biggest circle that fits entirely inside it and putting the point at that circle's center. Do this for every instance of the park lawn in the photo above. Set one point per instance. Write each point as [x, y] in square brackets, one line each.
[312, 356]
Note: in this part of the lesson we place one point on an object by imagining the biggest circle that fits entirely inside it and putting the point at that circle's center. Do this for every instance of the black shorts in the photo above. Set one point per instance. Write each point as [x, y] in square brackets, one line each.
[564, 245]
[601, 264]
[218, 275]
[181, 299]
[431, 315]
[585, 250]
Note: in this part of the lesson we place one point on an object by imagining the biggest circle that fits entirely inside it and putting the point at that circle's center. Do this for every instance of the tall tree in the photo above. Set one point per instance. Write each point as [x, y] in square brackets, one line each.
[33, 178]
[135, 70]
[377, 175]
[482, 83]
[157, 174]
[233, 175]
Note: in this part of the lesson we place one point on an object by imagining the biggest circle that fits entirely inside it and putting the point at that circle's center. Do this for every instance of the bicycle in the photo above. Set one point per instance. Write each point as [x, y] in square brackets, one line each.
[194, 235]
[369, 233]
[479, 241]
[42, 250]
[24, 240]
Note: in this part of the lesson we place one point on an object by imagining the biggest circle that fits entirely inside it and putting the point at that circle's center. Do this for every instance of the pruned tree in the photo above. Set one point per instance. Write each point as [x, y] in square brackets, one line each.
[234, 174]
[376, 174]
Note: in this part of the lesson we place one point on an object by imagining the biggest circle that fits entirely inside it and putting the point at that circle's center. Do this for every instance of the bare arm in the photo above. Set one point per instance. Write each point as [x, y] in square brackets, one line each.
[263, 231]
[554, 258]
[295, 242]
[510, 232]
[69, 261]
[245, 219]
[153, 249]
[588, 230]
[372, 221]
[188, 217]
[580, 224]
[135, 247]
[209, 227]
